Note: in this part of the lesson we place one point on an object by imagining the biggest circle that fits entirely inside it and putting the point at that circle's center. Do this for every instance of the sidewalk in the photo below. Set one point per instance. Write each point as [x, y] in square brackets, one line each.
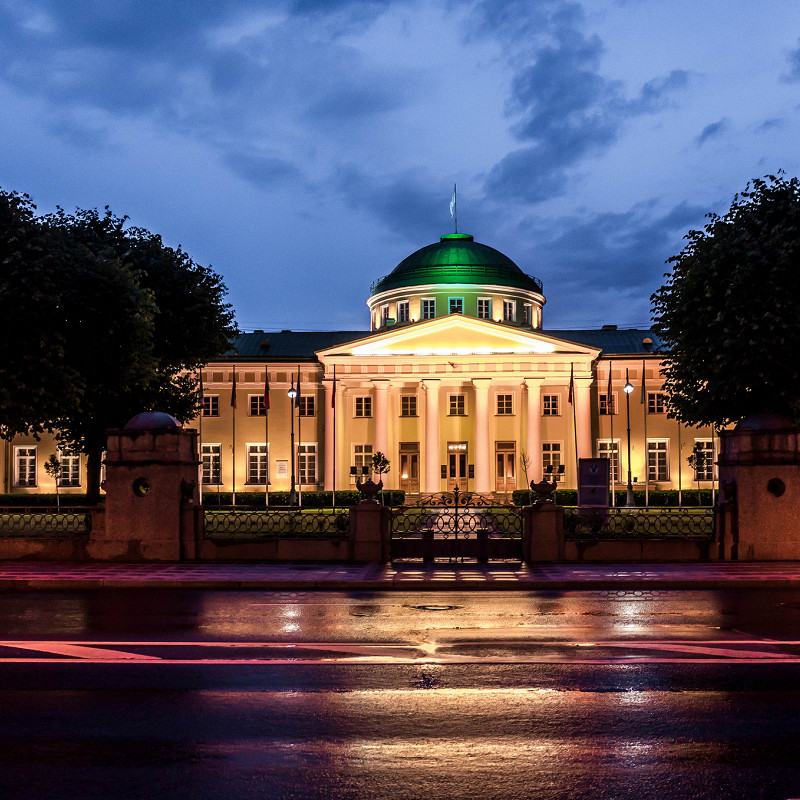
[384, 577]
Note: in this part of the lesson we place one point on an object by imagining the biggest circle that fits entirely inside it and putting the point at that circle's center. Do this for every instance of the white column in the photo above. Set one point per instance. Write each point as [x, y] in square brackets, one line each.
[482, 471]
[330, 436]
[381, 417]
[432, 476]
[583, 417]
[533, 435]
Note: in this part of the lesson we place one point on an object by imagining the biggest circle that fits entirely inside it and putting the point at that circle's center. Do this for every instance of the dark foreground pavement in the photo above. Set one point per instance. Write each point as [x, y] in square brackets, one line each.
[383, 577]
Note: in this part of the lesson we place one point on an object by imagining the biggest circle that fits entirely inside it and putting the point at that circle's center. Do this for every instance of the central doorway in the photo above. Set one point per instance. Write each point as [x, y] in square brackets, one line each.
[505, 461]
[409, 467]
[457, 465]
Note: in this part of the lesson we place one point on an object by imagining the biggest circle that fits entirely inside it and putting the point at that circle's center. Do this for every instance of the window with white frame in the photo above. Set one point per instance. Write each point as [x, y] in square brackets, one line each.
[408, 405]
[428, 306]
[455, 305]
[70, 473]
[608, 448]
[658, 459]
[457, 405]
[509, 310]
[384, 314]
[307, 463]
[551, 405]
[551, 461]
[210, 405]
[211, 463]
[608, 403]
[402, 310]
[257, 464]
[484, 308]
[307, 407]
[705, 469]
[258, 406]
[656, 402]
[505, 404]
[363, 406]
[527, 313]
[362, 458]
[25, 466]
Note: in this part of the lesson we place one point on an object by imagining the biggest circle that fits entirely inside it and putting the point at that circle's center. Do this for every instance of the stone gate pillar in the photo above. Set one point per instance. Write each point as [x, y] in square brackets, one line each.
[152, 509]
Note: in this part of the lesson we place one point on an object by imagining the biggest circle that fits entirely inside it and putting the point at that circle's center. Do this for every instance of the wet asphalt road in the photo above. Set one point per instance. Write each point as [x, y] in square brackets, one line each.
[183, 694]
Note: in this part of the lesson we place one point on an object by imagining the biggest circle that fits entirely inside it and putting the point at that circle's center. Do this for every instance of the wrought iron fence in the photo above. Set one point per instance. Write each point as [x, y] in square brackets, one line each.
[584, 524]
[45, 522]
[284, 524]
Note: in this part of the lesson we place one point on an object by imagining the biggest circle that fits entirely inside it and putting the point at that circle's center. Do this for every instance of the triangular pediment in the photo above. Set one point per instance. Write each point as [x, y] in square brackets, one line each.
[456, 335]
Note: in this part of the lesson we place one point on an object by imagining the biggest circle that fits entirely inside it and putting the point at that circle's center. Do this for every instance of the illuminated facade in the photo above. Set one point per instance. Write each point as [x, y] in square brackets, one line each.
[456, 382]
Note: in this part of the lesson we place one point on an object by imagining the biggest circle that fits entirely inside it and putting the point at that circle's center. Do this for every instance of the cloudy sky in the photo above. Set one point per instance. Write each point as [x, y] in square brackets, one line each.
[303, 148]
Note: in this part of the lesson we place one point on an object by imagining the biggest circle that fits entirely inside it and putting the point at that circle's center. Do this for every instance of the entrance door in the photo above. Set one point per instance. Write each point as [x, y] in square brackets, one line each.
[409, 467]
[456, 465]
[505, 462]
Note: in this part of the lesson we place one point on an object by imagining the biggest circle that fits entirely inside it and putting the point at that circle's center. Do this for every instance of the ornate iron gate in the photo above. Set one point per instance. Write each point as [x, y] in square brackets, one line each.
[456, 525]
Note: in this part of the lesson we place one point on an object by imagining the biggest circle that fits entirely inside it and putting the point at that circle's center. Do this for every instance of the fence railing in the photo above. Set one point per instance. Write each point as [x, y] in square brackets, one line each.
[312, 524]
[584, 524]
[39, 521]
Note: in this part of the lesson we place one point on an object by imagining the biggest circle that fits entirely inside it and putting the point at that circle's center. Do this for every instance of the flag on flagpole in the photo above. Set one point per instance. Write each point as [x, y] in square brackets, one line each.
[453, 203]
[233, 389]
[609, 394]
[333, 393]
[643, 398]
[571, 384]
[297, 396]
[266, 391]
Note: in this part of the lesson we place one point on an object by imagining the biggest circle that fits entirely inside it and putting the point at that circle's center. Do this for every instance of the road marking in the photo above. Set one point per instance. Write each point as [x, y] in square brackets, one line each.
[78, 651]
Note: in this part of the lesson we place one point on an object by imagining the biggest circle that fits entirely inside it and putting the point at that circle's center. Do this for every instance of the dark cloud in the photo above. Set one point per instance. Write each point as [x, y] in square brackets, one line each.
[771, 124]
[263, 170]
[713, 131]
[794, 64]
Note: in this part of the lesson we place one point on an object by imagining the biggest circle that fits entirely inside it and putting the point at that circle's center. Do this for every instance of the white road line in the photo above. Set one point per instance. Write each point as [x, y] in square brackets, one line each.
[79, 651]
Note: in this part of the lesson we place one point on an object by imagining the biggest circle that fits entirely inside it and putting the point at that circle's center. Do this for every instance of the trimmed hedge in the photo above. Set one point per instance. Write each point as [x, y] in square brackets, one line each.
[658, 498]
[49, 499]
[348, 497]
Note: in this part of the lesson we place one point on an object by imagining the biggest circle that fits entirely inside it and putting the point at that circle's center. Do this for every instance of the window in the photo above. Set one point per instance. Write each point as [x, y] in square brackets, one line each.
[550, 405]
[509, 310]
[606, 448]
[656, 403]
[362, 457]
[402, 311]
[457, 405]
[484, 308]
[455, 305]
[363, 407]
[505, 404]
[384, 314]
[608, 404]
[428, 308]
[211, 463]
[552, 468]
[258, 407]
[307, 463]
[70, 470]
[211, 405]
[307, 406]
[257, 464]
[658, 459]
[527, 313]
[408, 405]
[704, 467]
[25, 466]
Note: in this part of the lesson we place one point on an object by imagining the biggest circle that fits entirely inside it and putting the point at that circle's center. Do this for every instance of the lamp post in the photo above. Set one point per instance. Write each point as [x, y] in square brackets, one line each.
[628, 388]
[292, 494]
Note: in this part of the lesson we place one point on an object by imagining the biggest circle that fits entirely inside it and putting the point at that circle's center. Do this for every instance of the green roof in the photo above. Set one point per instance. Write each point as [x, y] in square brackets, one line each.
[456, 258]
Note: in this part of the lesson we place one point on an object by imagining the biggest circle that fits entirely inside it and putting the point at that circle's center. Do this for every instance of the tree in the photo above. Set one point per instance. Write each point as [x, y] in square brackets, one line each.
[380, 466]
[729, 312]
[133, 320]
[698, 460]
[53, 468]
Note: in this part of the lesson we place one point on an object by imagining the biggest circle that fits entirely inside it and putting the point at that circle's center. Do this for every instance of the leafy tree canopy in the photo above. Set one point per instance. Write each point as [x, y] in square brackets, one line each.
[729, 312]
[108, 322]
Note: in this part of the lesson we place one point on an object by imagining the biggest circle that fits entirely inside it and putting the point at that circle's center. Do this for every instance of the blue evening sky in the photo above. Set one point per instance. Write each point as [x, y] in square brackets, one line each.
[303, 148]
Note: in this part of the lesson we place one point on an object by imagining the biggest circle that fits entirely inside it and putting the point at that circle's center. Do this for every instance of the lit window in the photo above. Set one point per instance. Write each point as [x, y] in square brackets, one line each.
[550, 405]
[484, 308]
[656, 403]
[408, 405]
[456, 305]
[257, 464]
[25, 466]
[527, 313]
[402, 311]
[362, 458]
[307, 406]
[363, 407]
[509, 310]
[384, 314]
[258, 407]
[307, 463]
[70, 474]
[428, 308]
[457, 405]
[211, 405]
[552, 468]
[704, 460]
[658, 459]
[505, 404]
[211, 463]
[608, 404]
[610, 450]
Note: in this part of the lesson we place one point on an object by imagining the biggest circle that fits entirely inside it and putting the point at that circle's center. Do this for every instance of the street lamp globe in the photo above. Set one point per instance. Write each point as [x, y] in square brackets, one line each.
[293, 392]
[627, 388]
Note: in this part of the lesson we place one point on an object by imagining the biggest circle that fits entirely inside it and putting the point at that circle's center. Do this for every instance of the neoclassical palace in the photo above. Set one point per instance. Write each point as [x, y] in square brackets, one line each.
[457, 382]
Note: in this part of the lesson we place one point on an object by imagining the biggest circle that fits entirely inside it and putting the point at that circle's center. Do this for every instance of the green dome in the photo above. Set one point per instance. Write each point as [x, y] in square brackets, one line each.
[456, 258]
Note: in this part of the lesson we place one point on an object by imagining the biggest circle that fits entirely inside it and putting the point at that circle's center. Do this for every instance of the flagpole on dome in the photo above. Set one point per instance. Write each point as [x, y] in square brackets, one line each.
[454, 210]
